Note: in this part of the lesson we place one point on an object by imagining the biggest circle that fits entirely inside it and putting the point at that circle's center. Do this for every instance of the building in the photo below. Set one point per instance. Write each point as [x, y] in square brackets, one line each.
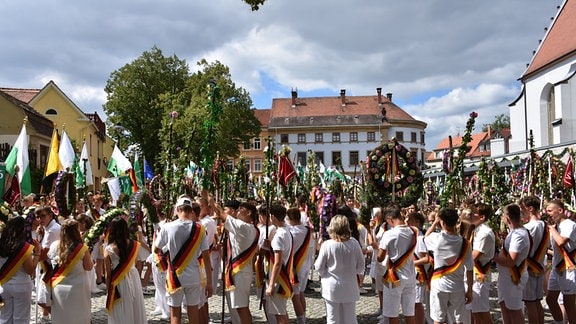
[54, 105]
[546, 106]
[340, 130]
[253, 151]
[483, 145]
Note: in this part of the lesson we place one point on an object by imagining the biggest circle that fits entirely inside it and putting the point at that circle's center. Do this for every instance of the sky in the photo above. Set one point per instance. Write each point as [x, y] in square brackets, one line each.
[441, 59]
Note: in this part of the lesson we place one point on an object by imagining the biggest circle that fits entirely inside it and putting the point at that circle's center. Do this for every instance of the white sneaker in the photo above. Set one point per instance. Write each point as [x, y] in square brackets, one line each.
[101, 286]
[43, 319]
[156, 312]
[363, 291]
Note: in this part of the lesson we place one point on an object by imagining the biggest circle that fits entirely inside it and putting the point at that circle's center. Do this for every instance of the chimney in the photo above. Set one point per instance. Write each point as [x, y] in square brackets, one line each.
[343, 97]
[389, 96]
[489, 129]
[379, 91]
[294, 96]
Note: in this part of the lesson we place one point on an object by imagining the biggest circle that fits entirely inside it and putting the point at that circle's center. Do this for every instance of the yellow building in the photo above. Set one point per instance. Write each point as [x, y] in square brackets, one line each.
[55, 105]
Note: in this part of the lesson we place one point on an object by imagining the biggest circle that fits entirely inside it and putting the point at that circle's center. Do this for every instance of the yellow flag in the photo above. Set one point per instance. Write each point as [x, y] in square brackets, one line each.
[53, 164]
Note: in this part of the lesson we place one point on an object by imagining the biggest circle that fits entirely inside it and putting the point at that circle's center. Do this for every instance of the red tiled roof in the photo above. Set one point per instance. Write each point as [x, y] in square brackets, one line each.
[456, 141]
[263, 115]
[332, 106]
[24, 95]
[559, 42]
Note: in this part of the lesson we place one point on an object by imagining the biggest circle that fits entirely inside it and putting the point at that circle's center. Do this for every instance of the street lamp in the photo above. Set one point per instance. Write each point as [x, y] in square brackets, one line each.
[119, 130]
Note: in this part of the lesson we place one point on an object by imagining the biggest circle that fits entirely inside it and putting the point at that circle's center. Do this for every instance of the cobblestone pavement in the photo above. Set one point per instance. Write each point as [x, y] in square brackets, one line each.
[366, 308]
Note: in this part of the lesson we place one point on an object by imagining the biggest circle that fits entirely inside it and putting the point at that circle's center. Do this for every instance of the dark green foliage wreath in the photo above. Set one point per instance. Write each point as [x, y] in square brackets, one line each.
[65, 193]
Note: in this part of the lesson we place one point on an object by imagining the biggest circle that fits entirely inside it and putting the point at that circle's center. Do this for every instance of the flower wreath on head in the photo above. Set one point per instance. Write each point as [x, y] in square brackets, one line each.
[101, 225]
[379, 168]
[65, 193]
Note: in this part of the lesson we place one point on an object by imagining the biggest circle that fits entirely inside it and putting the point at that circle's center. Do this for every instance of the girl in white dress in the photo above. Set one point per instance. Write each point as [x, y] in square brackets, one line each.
[125, 302]
[70, 287]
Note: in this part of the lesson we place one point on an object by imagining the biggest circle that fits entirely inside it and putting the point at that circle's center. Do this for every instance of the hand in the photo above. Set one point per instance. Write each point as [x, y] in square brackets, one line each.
[468, 296]
[269, 290]
[209, 290]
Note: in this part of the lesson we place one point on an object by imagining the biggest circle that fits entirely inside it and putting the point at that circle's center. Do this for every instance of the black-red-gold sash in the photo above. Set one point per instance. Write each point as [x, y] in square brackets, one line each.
[237, 263]
[448, 269]
[160, 259]
[61, 271]
[301, 254]
[119, 273]
[421, 273]
[390, 276]
[535, 267]
[14, 262]
[481, 270]
[568, 259]
[178, 264]
[286, 276]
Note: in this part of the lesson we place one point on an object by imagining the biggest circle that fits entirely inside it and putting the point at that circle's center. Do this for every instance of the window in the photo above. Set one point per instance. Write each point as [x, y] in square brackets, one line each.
[247, 165]
[371, 136]
[51, 111]
[246, 145]
[353, 157]
[400, 136]
[319, 157]
[257, 165]
[413, 137]
[230, 165]
[353, 136]
[301, 158]
[335, 137]
[318, 138]
[422, 138]
[284, 138]
[301, 138]
[257, 143]
[336, 158]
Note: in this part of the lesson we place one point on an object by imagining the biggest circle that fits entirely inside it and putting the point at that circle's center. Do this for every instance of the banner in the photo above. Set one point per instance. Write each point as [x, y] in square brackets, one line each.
[2, 179]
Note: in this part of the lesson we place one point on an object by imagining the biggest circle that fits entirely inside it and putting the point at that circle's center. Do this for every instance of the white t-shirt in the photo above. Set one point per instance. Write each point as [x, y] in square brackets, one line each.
[210, 226]
[282, 242]
[536, 229]
[566, 228]
[262, 229]
[173, 235]
[363, 237]
[51, 234]
[446, 249]
[298, 235]
[485, 242]
[397, 241]
[241, 235]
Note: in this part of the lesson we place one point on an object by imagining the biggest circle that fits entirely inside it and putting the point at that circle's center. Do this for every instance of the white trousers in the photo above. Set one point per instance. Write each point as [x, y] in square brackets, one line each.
[340, 313]
[16, 303]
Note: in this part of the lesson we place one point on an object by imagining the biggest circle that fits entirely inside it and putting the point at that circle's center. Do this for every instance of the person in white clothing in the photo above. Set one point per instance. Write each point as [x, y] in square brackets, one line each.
[512, 274]
[563, 274]
[540, 234]
[339, 262]
[422, 266]
[453, 263]
[302, 238]
[483, 247]
[399, 279]
[211, 227]
[178, 236]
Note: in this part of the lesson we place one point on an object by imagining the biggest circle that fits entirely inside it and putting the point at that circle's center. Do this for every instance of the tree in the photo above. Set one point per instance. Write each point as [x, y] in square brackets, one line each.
[500, 122]
[254, 4]
[134, 92]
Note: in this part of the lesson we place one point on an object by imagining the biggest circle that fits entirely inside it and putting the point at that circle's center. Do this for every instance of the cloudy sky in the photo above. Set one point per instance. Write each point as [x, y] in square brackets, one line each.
[441, 59]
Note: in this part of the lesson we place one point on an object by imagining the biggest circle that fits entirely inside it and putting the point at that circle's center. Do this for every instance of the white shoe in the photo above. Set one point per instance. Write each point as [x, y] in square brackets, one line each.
[156, 312]
[101, 286]
[43, 319]
[147, 291]
[363, 291]
[379, 317]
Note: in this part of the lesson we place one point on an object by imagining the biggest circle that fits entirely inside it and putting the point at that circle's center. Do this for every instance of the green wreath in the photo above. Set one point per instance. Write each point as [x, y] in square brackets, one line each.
[378, 167]
[65, 193]
[100, 226]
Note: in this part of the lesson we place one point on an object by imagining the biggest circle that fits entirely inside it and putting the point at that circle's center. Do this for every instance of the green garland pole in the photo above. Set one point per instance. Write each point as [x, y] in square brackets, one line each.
[268, 195]
[207, 153]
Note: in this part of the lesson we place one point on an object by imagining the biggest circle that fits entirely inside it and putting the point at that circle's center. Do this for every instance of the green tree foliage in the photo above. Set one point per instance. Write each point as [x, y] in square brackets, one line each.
[254, 4]
[500, 122]
[133, 98]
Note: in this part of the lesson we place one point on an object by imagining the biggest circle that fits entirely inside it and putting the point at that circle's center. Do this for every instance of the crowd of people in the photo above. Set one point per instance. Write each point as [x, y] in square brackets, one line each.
[433, 265]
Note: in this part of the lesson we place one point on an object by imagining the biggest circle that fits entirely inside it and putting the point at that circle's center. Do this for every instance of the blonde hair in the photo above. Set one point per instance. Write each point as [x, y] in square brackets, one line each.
[339, 228]
[69, 236]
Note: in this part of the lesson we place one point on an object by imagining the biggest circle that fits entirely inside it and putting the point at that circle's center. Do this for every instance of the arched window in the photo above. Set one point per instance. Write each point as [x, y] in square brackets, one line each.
[51, 111]
[551, 111]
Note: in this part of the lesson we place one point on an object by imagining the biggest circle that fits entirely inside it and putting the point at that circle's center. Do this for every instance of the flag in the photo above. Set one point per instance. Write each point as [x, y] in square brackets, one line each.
[114, 189]
[118, 162]
[138, 171]
[66, 153]
[133, 181]
[285, 171]
[18, 164]
[53, 165]
[84, 169]
[148, 174]
[13, 192]
[125, 185]
[569, 174]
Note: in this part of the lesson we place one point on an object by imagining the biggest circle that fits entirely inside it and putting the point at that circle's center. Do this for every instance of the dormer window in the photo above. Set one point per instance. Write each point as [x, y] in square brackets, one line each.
[51, 111]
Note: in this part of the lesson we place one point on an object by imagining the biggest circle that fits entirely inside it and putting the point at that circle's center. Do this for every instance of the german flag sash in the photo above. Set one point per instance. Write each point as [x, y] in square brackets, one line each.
[14, 262]
[448, 269]
[535, 267]
[286, 276]
[421, 274]
[160, 259]
[259, 272]
[203, 268]
[516, 270]
[47, 270]
[119, 273]
[237, 263]
[61, 271]
[481, 270]
[390, 276]
[178, 264]
[301, 253]
[567, 261]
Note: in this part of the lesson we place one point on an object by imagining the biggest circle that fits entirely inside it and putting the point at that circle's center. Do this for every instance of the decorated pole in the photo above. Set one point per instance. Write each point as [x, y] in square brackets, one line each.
[207, 153]
[269, 153]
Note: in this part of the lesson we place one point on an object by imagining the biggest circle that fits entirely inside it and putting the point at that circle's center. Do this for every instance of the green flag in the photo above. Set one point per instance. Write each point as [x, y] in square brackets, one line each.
[125, 185]
[138, 172]
[18, 160]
